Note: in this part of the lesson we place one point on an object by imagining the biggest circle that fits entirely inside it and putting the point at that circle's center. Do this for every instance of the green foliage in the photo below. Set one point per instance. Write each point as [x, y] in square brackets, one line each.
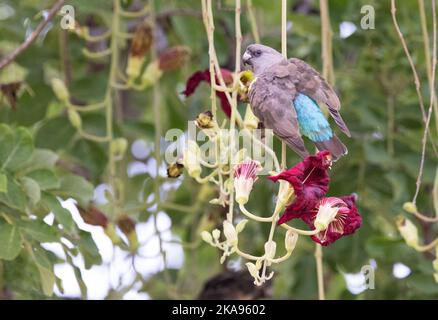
[31, 187]
[43, 159]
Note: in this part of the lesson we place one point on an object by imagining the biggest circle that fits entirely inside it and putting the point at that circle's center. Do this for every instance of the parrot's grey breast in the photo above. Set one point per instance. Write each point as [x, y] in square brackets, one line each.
[278, 84]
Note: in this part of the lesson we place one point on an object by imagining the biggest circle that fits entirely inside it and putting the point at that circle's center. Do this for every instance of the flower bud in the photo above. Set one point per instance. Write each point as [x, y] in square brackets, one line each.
[134, 66]
[216, 234]
[93, 216]
[191, 159]
[230, 233]
[151, 74]
[250, 121]
[126, 224]
[173, 58]
[245, 174]
[205, 120]
[410, 207]
[239, 156]
[270, 249]
[245, 80]
[286, 193]
[75, 118]
[60, 89]
[118, 147]
[175, 169]
[241, 225]
[408, 231]
[290, 240]
[206, 236]
[253, 271]
[110, 231]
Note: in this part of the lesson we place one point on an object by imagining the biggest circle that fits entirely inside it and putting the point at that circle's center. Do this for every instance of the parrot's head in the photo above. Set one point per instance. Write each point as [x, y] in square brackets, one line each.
[258, 57]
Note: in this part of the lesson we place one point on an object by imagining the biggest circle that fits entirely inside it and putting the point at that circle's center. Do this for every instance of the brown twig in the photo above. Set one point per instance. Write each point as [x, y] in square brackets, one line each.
[13, 55]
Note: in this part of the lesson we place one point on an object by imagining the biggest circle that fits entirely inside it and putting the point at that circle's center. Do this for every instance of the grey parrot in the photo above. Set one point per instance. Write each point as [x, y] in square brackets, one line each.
[285, 96]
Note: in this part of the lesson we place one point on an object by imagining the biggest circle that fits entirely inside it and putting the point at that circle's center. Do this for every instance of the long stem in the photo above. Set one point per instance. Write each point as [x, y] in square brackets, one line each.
[234, 100]
[427, 247]
[157, 152]
[253, 21]
[425, 34]
[327, 72]
[432, 97]
[109, 104]
[284, 53]
[319, 271]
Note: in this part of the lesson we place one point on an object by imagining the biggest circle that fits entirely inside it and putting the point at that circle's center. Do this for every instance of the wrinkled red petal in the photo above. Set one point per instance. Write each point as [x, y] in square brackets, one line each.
[204, 76]
[225, 105]
[310, 181]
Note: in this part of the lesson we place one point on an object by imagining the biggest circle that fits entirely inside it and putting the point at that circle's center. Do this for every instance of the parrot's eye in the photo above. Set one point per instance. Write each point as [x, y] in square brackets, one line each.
[258, 53]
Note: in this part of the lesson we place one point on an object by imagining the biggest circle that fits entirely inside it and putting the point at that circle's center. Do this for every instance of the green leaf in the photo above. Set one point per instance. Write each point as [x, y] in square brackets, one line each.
[62, 215]
[32, 189]
[89, 250]
[15, 196]
[45, 269]
[17, 147]
[45, 178]
[10, 242]
[47, 280]
[76, 187]
[40, 159]
[3, 183]
[39, 230]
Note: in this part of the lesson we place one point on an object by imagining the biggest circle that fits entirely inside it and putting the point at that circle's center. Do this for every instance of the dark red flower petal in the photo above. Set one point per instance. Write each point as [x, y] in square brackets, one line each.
[204, 76]
[310, 181]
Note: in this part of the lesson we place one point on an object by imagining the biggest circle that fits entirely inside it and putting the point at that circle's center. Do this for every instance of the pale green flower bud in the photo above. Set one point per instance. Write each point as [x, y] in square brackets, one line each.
[408, 231]
[191, 159]
[216, 234]
[270, 249]
[60, 89]
[206, 236]
[290, 240]
[250, 121]
[230, 233]
[241, 225]
[74, 118]
[253, 270]
[410, 207]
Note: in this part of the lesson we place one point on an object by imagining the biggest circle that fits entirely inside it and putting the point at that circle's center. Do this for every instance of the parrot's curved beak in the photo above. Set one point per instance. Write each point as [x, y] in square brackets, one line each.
[246, 58]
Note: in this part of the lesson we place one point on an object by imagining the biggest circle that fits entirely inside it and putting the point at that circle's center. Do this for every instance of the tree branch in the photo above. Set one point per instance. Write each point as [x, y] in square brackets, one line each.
[13, 55]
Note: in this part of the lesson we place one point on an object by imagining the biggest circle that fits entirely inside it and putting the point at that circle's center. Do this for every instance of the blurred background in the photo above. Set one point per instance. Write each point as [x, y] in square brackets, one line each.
[119, 247]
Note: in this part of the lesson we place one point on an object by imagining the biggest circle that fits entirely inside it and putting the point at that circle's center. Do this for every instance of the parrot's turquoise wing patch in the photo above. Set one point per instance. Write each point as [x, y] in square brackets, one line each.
[311, 120]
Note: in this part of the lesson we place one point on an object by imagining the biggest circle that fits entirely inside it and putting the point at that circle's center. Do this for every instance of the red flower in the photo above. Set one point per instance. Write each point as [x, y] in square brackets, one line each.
[339, 217]
[200, 76]
[310, 181]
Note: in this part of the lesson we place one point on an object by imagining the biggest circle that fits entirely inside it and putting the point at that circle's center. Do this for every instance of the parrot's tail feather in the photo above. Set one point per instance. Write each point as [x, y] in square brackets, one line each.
[334, 146]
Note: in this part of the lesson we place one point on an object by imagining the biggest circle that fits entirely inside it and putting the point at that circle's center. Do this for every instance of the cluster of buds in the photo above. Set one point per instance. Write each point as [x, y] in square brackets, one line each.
[229, 245]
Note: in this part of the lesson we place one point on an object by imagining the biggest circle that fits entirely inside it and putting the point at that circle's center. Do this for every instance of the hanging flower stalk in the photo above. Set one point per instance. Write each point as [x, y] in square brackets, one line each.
[302, 191]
